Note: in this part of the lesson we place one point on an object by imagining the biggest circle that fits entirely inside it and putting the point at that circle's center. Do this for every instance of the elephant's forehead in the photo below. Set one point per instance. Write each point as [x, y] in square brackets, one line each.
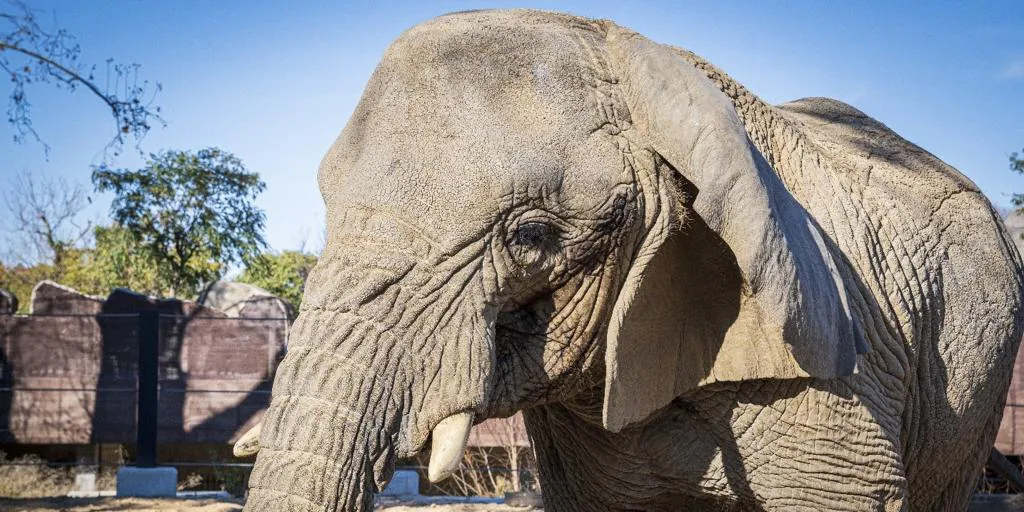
[456, 126]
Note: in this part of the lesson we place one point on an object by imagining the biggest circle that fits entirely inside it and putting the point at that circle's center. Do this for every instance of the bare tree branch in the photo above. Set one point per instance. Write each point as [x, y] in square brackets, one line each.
[30, 54]
[44, 215]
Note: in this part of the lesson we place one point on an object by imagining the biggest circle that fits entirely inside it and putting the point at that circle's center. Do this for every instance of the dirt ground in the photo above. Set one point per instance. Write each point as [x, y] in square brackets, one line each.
[453, 508]
[116, 504]
[207, 505]
[979, 504]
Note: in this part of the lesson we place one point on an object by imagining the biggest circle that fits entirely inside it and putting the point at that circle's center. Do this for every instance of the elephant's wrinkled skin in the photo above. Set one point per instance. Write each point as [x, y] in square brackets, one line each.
[698, 299]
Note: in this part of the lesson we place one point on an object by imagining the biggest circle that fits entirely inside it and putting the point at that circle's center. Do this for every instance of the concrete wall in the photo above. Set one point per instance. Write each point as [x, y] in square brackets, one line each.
[67, 372]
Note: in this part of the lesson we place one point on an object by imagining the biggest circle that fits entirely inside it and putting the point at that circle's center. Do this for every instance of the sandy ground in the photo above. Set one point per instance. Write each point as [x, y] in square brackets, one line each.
[438, 504]
[454, 508]
[116, 504]
[207, 505]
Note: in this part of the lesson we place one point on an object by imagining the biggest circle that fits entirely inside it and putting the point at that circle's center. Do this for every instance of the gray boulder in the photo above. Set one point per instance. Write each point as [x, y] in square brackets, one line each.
[243, 301]
[50, 298]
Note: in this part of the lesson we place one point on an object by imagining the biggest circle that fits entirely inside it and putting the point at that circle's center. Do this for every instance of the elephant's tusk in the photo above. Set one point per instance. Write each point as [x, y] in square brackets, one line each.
[449, 442]
[249, 443]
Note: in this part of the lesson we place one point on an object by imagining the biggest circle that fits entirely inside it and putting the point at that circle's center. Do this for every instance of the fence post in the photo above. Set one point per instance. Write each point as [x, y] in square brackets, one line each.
[146, 423]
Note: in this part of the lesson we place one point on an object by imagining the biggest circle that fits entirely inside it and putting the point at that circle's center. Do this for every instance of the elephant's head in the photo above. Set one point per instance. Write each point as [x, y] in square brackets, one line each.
[525, 206]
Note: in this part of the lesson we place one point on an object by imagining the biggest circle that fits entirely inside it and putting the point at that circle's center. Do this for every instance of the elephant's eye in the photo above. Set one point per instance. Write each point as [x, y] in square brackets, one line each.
[534, 235]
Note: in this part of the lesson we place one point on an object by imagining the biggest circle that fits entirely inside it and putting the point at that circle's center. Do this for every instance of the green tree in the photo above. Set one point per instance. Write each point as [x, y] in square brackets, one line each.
[32, 54]
[191, 214]
[114, 262]
[283, 274]
[118, 264]
[21, 279]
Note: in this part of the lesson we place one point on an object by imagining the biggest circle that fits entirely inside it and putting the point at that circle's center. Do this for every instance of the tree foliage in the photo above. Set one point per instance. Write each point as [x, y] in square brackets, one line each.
[283, 274]
[117, 264]
[192, 215]
[113, 262]
[21, 279]
[31, 54]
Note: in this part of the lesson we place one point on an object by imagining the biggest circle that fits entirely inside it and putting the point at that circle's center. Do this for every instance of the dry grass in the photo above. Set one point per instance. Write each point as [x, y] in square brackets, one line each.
[29, 476]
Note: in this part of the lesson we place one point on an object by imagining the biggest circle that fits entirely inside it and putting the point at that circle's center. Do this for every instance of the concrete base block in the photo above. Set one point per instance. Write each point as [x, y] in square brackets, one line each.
[85, 482]
[147, 482]
[404, 483]
[524, 499]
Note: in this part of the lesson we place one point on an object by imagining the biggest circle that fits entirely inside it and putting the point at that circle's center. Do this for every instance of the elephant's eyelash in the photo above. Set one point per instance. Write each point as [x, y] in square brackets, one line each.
[534, 234]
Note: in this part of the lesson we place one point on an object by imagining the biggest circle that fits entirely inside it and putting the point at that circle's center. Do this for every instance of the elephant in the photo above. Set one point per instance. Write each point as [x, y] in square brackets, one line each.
[697, 299]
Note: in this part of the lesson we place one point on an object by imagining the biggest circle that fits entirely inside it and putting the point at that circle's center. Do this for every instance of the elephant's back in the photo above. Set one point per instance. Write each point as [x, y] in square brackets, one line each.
[927, 203]
[858, 138]
[924, 245]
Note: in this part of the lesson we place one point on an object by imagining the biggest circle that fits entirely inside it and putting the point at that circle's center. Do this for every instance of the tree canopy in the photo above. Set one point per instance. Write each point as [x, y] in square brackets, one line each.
[180, 222]
[192, 215]
[114, 262]
[21, 279]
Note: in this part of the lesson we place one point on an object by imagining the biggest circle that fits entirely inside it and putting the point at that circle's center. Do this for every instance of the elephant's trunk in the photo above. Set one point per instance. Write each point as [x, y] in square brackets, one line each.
[327, 437]
[374, 365]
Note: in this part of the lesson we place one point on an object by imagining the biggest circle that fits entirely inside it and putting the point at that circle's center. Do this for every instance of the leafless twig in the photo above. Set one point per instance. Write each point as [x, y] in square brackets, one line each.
[32, 54]
[44, 216]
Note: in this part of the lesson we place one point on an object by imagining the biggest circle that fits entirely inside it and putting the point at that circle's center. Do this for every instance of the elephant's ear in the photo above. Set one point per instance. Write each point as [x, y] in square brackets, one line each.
[749, 290]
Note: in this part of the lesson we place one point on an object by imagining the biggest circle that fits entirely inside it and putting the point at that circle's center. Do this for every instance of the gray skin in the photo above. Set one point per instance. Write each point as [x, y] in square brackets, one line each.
[698, 300]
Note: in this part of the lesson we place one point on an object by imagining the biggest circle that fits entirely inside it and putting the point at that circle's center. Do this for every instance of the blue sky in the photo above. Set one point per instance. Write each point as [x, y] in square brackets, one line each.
[275, 82]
